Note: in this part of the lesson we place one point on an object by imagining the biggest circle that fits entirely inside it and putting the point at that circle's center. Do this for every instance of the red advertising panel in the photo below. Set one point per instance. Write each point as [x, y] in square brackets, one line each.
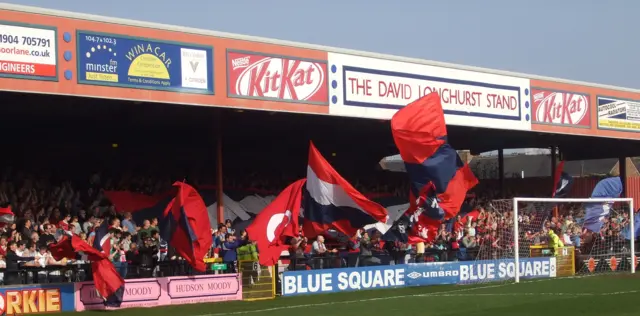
[561, 108]
[270, 77]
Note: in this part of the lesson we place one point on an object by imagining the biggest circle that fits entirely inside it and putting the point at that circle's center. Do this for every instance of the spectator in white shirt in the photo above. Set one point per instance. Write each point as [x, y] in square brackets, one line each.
[30, 250]
[21, 249]
[88, 225]
[318, 249]
[472, 230]
[566, 239]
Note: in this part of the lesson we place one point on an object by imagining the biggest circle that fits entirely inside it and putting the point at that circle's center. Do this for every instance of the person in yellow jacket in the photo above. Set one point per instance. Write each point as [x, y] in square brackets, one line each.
[554, 241]
[247, 252]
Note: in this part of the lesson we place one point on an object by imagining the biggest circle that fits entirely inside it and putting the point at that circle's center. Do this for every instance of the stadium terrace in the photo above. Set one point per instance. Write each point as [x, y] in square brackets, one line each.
[142, 172]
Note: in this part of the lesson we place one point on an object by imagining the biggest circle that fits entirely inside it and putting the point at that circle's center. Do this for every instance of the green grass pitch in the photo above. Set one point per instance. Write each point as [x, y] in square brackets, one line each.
[607, 295]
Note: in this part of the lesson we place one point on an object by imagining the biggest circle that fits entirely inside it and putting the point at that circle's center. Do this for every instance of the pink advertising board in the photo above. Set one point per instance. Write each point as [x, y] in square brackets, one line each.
[165, 291]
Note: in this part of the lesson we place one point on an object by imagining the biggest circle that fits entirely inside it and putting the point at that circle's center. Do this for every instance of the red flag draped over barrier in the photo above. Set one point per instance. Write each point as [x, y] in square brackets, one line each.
[108, 282]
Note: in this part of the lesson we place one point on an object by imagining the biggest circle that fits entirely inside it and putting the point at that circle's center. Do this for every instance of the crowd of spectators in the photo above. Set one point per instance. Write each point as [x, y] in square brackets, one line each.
[484, 234]
[47, 206]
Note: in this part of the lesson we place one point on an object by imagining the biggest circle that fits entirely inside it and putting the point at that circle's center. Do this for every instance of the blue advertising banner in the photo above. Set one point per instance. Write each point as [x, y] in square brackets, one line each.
[338, 280]
[413, 274]
[140, 63]
[37, 299]
[465, 272]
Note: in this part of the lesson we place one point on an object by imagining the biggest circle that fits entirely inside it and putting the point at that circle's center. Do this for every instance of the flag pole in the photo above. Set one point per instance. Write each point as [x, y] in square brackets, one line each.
[556, 176]
[219, 170]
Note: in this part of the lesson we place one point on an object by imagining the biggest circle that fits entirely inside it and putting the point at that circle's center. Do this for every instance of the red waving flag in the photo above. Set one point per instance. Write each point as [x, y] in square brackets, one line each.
[125, 201]
[276, 222]
[6, 216]
[331, 202]
[108, 282]
[439, 178]
[185, 224]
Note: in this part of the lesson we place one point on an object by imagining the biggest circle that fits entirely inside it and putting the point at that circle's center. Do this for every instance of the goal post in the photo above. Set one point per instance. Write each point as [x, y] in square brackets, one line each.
[554, 202]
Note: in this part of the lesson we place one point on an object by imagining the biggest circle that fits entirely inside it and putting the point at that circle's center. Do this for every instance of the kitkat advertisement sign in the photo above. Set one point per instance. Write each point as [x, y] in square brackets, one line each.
[277, 78]
[561, 108]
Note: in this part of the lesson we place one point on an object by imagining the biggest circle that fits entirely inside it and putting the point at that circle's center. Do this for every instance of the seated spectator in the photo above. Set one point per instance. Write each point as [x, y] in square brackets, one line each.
[154, 224]
[133, 256]
[163, 245]
[228, 224]
[12, 275]
[64, 223]
[115, 224]
[88, 225]
[129, 224]
[3, 245]
[21, 250]
[471, 246]
[118, 257]
[146, 228]
[366, 252]
[298, 259]
[35, 238]
[43, 259]
[148, 256]
[74, 226]
[48, 235]
[30, 249]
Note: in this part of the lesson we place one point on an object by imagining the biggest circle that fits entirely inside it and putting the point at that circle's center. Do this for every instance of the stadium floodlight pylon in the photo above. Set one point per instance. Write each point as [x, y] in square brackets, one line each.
[553, 202]
[511, 232]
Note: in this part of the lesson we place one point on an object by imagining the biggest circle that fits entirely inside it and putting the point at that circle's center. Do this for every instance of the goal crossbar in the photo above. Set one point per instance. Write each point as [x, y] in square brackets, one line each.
[571, 200]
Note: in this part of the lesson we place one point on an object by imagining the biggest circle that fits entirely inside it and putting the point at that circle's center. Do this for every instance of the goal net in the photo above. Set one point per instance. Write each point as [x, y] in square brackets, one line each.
[526, 238]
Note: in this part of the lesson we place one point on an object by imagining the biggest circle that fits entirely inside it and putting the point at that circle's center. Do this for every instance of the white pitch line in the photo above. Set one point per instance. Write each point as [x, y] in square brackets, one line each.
[532, 294]
[352, 301]
[452, 293]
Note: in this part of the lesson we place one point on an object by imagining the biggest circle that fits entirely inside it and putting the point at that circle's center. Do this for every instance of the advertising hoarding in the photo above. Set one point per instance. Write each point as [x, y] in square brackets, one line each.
[561, 108]
[618, 114]
[260, 76]
[140, 63]
[415, 274]
[28, 51]
[347, 279]
[37, 299]
[465, 272]
[376, 88]
[166, 291]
